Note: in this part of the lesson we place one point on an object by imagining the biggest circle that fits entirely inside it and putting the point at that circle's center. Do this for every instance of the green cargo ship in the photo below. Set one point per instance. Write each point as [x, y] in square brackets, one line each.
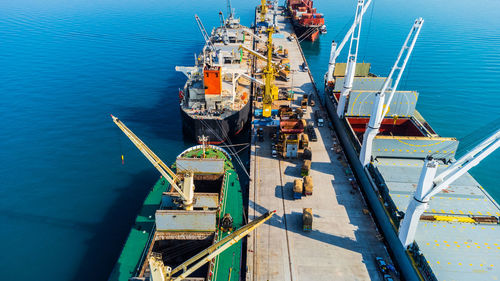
[169, 231]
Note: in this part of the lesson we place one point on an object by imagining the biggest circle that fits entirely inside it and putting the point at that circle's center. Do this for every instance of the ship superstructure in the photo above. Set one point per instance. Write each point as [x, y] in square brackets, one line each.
[396, 154]
[215, 101]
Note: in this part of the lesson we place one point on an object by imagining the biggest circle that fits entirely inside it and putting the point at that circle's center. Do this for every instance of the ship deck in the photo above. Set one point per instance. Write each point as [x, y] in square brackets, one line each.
[454, 250]
[225, 266]
[344, 240]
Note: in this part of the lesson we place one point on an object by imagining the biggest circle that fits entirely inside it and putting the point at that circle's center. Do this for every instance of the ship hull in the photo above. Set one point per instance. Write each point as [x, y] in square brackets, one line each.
[306, 32]
[144, 238]
[368, 187]
[216, 130]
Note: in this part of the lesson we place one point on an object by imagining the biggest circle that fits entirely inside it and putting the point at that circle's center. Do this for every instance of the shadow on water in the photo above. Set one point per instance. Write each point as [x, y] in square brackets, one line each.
[163, 118]
[103, 249]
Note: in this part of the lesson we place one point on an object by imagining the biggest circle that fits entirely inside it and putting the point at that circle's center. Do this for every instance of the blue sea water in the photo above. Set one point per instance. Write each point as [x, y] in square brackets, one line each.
[66, 200]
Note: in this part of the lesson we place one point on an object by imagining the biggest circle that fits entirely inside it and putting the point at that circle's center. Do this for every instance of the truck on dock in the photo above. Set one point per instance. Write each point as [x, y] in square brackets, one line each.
[307, 219]
[318, 115]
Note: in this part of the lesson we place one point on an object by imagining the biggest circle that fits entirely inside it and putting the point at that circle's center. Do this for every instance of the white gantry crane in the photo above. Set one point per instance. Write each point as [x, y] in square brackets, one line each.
[351, 58]
[186, 190]
[335, 51]
[429, 184]
[378, 111]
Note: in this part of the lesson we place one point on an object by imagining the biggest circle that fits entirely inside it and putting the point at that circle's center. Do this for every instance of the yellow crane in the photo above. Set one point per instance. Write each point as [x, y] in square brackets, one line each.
[160, 272]
[186, 189]
[263, 10]
[271, 69]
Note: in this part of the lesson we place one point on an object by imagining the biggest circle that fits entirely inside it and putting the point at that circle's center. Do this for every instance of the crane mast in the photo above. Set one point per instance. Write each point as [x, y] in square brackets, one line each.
[378, 110]
[263, 10]
[270, 90]
[161, 273]
[351, 60]
[429, 184]
[186, 190]
[335, 50]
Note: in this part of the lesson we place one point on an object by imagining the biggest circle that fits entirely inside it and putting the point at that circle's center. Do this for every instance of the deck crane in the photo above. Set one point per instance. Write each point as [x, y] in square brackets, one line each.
[429, 184]
[186, 188]
[271, 69]
[335, 51]
[204, 32]
[351, 59]
[159, 272]
[381, 105]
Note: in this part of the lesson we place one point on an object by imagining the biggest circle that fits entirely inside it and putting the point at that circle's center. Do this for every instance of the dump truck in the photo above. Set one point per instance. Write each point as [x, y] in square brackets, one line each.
[298, 186]
[308, 185]
[307, 219]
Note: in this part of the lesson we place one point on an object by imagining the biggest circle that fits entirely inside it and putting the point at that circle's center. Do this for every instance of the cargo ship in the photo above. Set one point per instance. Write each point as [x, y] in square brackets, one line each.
[308, 24]
[215, 100]
[186, 211]
[438, 221]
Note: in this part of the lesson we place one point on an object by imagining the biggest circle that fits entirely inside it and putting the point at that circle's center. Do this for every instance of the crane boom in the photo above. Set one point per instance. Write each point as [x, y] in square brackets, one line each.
[254, 53]
[378, 111]
[156, 264]
[204, 32]
[165, 171]
[351, 59]
[430, 185]
[335, 51]
[247, 30]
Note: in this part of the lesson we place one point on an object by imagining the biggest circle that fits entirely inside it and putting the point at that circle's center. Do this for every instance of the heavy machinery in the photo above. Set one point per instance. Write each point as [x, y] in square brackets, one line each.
[186, 188]
[160, 272]
[270, 90]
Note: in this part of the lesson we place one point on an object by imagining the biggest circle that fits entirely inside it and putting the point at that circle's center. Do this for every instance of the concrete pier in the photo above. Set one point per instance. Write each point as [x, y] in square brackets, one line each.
[344, 241]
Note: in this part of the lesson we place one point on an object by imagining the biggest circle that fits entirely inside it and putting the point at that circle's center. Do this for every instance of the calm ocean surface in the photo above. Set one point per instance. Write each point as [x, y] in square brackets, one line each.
[67, 202]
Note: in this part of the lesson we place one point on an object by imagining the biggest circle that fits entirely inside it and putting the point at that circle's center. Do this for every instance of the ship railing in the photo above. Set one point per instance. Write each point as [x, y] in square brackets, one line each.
[144, 253]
